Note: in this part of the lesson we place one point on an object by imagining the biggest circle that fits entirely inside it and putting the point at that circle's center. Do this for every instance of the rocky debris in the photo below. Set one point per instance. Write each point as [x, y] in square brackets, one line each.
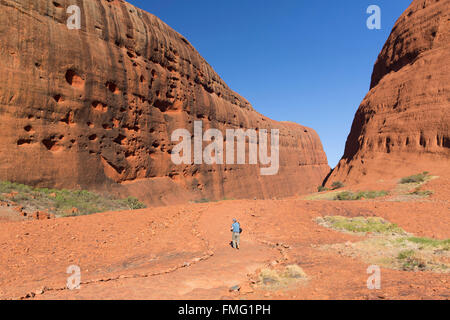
[41, 215]
[19, 209]
[25, 212]
[401, 126]
[281, 247]
[14, 208]
[118, 88]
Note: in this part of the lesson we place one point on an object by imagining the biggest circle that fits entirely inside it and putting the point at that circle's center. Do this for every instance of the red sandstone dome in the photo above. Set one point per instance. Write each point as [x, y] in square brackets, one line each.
[403, 124]
[94, 108]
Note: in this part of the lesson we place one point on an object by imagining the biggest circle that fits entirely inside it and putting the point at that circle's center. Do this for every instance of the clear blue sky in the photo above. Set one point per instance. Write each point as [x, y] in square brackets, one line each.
[304, 61]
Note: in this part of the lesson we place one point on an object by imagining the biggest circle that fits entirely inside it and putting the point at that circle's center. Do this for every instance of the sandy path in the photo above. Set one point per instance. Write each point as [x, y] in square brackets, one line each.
[207, 279]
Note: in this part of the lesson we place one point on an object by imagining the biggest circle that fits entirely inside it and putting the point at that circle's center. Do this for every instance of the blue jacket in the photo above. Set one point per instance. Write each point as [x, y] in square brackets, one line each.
[236, 227]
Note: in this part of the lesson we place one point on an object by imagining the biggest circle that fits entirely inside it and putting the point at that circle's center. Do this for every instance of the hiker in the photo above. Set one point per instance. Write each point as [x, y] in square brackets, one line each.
[236, 229]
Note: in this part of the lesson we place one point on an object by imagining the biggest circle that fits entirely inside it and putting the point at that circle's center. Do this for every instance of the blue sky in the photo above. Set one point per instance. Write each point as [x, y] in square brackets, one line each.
[304, 61]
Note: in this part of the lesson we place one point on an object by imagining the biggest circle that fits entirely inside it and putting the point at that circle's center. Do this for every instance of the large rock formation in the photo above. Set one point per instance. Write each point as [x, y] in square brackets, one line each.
[95, 108]
[402, 126]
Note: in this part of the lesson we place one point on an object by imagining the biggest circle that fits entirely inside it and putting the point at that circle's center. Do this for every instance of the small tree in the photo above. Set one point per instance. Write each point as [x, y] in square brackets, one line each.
[134, 204]
[337, 185]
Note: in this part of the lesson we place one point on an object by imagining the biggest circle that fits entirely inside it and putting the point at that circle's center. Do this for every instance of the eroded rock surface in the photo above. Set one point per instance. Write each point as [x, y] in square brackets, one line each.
[95, 108]
[402, 125]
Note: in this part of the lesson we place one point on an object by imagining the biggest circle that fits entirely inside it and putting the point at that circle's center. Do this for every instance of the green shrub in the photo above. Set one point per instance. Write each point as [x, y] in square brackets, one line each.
[348, 195]
[418, 178]
[322, 189]
[337, 185]
[406, 254]
[204, 200]
[134, 203]
[229, 199]
[345, 195]
[371, 194]
[362, 225]
[389, 245]
[64, 202]
[410, 261]
[422, 193]
[433, 243]
[8, 187]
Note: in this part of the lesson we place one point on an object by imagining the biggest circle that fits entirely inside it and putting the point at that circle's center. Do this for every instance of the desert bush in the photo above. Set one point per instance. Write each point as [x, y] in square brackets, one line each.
[422, 193]
[418, 178]
[269, 277]
[410, 262]
[390, 246]
[8, 187]
[370, 194]
[322, 189]
[65, 202]
[432, 243]
[337, 185]
[345, 195]
[133, 203]
[229, 199]
[204, 200]
[294, 271]
[361, 225]
[273, 279]
[348, 195]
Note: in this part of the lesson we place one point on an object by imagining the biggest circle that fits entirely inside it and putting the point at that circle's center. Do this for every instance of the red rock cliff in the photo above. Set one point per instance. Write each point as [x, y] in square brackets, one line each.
[95, 108]
[402, 125]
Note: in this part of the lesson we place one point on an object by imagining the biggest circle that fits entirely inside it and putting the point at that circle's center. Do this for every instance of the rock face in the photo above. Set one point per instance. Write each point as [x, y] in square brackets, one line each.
[403, 124]
[95, 108]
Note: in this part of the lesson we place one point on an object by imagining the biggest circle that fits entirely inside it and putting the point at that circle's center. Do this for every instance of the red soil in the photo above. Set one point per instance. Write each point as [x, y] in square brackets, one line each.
[183, 252]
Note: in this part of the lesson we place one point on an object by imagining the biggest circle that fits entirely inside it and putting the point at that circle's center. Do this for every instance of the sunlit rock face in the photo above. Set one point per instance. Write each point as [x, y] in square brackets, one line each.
[95, 108]
[403, 124]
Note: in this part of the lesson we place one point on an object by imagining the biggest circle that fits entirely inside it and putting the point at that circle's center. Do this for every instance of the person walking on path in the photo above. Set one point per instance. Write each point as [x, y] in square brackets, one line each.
[236, 230]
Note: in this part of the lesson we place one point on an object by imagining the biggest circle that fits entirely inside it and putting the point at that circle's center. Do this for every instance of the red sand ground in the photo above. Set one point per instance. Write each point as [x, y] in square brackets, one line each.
[183, 252]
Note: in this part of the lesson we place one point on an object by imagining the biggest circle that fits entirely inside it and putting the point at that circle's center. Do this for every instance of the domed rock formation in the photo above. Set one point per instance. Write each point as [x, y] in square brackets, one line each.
[402, 125]
[95, 108]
